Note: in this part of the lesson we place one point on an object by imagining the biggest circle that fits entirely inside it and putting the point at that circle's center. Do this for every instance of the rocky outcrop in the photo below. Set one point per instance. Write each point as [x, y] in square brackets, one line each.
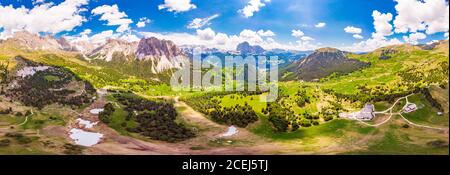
[114, 46]
[163, 54]
[246, 49]
[34, 42]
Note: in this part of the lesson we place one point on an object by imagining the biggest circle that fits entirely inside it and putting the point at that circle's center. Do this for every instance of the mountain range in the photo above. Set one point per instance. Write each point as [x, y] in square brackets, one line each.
[153, 56]
[164, 55]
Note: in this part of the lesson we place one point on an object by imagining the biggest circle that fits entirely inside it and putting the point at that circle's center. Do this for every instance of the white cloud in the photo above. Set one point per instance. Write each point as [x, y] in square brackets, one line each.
[221, 38]
[43, 17]
[304, 42]
[414, 37]
[306, 38]
[358, 36]
[250, 36]
[34, 2]
[129, 37]
[371, 45]
[320, 25]
[252, 7]
[100, 38]
[143, 22]
[200, 22]
[113, 16]
[381, 23]
[206, 34]
[267, 33]
[177, 5]
[431, 16]
[432, 42]
[297, 33]
[353, 30]
[228, 42]
[378, 39]
[86, 32]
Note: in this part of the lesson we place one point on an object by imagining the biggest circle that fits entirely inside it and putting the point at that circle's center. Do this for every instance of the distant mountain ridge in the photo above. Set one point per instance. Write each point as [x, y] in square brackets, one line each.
[246, 49]
[324, 62]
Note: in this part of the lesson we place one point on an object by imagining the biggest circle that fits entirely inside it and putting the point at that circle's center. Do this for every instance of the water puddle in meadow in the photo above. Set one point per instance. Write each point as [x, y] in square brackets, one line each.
[96, 111]
[232, 130]
[85, 138]
[86, 123]
[29, 71]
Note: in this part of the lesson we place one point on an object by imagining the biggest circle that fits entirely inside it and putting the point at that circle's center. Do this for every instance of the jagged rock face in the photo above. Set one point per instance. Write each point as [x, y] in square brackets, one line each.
[163, 54]
[84, 47]
[34, 41]
[65, 45]
[245, 49]
[111, 47]
[326, 61]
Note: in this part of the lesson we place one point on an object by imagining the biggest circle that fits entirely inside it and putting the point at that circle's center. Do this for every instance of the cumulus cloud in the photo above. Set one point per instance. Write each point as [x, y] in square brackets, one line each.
[101, 37]
[297, 33]
[221, 38]
[201, 22]
[86, 32]
[206, 34]
[252, 7]
[306, 38]
[113, 16]
[382, 29]
[129, 37]
[352, 30]
[143, 22]
[267, 33]
[414, 37]
[358, 36]
[381, 23]
[250, 36]
[34, 2]
[43, 17]
[431, 16]
[177, 5]
[355, 31]
[320, 25]
[206, 38]
[371, 45]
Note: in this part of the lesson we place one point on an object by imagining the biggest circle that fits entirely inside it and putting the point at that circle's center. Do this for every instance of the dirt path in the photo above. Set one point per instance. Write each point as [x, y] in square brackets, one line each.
[391, 113]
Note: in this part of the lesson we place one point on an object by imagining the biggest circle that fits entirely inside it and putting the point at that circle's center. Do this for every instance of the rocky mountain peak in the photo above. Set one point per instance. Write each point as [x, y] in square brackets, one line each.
[153, 47]
[113, 46]
[34, 41]
[163, 54]
[246, 49]
[328, 49]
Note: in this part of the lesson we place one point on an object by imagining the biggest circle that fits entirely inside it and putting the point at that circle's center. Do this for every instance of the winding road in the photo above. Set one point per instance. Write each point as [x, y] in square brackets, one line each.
[390, 112]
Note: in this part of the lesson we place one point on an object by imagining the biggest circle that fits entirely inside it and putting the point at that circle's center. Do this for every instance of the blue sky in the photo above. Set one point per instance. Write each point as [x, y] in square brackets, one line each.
[281, 17]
